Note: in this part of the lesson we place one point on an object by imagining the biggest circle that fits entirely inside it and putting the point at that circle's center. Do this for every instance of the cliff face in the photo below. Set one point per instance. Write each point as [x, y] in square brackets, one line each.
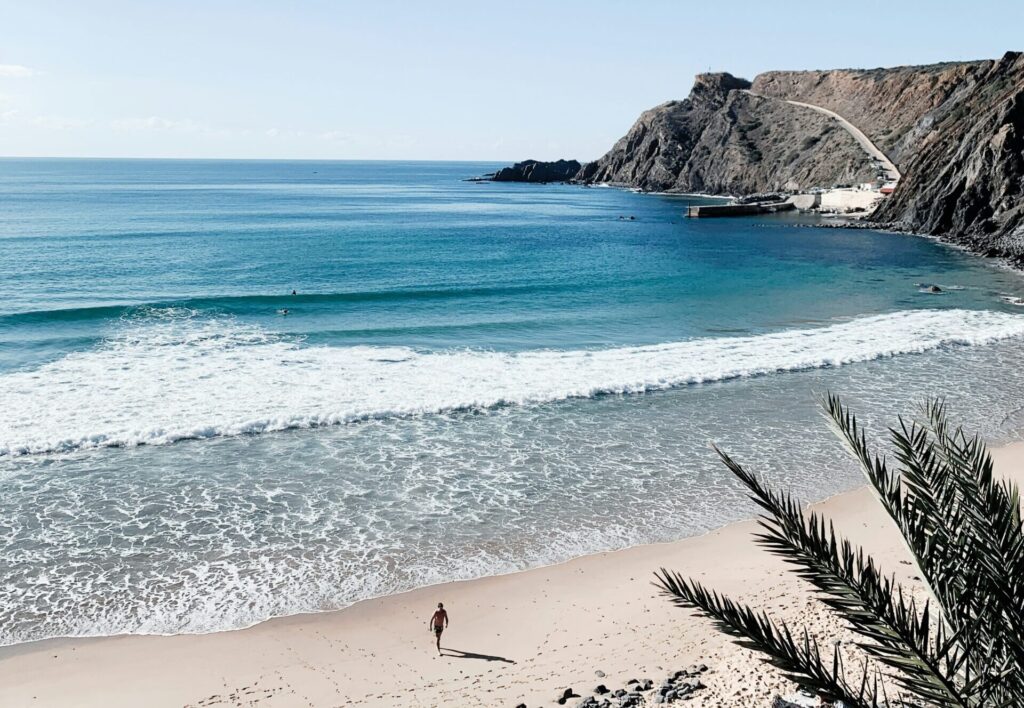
[722, 139]
[965, 179]
[896, 108]
[657, 147]
[956, 132]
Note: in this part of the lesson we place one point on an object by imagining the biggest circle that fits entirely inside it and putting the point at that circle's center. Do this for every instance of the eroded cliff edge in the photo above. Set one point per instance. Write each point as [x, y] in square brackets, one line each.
[956, 131]
[964, 181]
[722, 139]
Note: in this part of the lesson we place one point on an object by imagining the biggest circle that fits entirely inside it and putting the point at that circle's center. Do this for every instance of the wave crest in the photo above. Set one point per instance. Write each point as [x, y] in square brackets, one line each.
[176, 375]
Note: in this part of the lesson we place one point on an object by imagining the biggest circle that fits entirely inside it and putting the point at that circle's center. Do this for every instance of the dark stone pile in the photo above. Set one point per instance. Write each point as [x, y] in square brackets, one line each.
[679, 686]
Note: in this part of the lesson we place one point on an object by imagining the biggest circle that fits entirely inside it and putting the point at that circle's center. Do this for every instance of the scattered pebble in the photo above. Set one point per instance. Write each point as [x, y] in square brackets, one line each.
[639, 693]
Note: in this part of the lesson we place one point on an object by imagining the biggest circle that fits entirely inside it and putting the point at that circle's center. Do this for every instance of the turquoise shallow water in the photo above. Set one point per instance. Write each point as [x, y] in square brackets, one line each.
[472, 378]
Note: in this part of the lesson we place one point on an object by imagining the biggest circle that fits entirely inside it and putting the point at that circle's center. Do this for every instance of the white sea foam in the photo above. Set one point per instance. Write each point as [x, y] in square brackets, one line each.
[178, 376]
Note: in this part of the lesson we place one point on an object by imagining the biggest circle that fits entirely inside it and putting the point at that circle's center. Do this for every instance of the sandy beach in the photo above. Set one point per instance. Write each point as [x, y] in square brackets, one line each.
[519, 638]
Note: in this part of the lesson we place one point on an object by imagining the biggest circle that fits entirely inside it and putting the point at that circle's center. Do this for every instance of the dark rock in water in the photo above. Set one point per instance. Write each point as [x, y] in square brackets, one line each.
[934, 289]
[538, 172]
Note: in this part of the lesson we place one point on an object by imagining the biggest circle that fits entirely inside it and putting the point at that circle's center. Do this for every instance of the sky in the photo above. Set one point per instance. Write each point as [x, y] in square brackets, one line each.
[436, 80]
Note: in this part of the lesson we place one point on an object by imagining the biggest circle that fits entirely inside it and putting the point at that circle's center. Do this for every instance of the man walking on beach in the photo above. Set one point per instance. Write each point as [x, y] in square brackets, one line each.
[438, 622]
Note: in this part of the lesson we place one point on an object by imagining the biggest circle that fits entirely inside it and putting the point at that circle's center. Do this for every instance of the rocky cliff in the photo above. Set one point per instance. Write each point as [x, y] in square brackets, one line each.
[724, 140]
[955, 130]
[964, 180]
[895, 107]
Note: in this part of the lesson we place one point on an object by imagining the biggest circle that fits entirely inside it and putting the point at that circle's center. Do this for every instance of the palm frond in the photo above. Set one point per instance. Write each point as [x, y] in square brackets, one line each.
[963, 528]
[852, 585]
[799, 658]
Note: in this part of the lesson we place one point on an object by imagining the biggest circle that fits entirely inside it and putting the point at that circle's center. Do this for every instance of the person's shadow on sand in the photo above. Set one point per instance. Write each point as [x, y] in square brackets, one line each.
[457, 654]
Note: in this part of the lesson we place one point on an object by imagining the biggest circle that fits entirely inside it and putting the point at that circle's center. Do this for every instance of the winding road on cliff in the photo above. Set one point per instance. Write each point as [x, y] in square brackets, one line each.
[891, 173]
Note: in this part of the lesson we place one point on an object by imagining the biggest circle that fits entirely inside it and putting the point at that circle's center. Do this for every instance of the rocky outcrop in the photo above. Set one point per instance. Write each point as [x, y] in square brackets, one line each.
[537, 171]
[965, 179]
[723, 140]
[657, 147]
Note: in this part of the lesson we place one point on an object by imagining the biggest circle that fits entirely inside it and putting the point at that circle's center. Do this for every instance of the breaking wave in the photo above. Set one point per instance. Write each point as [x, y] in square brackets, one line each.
[174, 375]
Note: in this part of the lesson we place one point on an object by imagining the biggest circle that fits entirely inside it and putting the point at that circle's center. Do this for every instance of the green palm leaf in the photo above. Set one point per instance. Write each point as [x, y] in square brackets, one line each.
[964, 647]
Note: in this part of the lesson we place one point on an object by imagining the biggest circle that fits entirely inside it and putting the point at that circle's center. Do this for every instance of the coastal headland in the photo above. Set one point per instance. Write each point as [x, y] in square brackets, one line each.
[935, 149]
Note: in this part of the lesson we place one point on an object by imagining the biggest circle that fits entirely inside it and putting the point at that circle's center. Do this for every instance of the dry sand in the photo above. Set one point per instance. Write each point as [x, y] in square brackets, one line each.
[519, 638]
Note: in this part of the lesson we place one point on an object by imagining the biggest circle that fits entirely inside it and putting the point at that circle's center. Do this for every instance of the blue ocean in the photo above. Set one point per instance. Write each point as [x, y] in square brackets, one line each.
[235, 390]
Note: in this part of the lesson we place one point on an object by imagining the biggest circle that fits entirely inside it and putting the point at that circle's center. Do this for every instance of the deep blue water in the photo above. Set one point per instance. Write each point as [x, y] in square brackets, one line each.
[471, 377]
[407, 253]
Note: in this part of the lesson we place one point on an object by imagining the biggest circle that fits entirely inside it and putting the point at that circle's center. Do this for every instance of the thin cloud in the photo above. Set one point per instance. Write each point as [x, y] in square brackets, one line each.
[158, 123]
[51, 122]
[337, 136]
[288, 134]
[16, 71]
[15, 117]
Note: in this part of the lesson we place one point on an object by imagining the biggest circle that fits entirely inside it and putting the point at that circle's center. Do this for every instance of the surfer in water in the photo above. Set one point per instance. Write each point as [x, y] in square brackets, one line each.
[438, 621]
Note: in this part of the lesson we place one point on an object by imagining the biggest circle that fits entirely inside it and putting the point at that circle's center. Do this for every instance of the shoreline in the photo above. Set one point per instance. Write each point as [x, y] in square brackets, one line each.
[842, 221]
[522, 636]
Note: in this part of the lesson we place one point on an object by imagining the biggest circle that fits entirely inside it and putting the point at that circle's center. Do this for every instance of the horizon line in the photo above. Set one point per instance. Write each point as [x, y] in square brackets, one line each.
[251, 159]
